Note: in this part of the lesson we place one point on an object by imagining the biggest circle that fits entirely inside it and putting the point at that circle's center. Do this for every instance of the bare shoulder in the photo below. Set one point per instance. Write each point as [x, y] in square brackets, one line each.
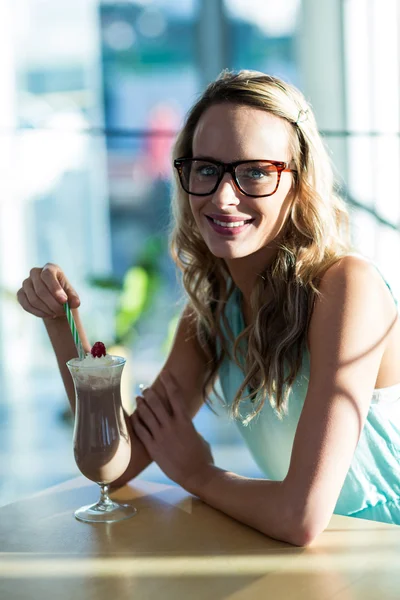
[355, 305]
[352, 270]
[354, 280]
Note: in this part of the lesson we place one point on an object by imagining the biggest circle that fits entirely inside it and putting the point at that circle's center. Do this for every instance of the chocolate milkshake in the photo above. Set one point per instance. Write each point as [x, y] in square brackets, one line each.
[101, 441]
[102, 445]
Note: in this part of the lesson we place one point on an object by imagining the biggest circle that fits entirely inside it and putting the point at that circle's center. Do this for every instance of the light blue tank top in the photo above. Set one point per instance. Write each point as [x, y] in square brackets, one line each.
[372, 486]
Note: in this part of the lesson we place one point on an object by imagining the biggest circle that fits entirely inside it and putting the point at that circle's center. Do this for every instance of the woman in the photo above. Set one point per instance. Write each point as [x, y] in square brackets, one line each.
[303, 334]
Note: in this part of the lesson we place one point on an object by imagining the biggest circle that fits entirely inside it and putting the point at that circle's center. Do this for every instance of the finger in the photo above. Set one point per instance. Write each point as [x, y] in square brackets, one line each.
[48, 276]
[23, 300]
[136, 416]
[158, 406]
[159, 397]
[147, 416]
[33, 299]
[143, 434]
[59, 286]
[174, 394]
[44, 294]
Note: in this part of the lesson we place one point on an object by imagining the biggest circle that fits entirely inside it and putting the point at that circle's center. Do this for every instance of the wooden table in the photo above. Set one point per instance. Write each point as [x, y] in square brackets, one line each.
[176, 547]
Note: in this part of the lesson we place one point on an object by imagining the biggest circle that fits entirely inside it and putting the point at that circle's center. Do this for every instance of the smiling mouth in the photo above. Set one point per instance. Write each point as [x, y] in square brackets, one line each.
[230, 224]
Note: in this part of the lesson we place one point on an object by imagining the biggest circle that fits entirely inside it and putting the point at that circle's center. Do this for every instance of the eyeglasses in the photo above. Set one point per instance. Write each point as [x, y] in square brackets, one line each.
[255, 178]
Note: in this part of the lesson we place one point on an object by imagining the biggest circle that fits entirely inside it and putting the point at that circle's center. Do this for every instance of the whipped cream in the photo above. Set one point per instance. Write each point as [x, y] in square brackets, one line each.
[96, 372]
[92, 362]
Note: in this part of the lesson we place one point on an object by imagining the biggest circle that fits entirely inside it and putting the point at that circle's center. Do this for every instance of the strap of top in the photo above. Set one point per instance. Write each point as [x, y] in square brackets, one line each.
[390, 289]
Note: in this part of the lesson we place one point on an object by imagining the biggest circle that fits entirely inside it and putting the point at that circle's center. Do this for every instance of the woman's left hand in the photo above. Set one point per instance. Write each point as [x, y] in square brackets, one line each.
[170, 437]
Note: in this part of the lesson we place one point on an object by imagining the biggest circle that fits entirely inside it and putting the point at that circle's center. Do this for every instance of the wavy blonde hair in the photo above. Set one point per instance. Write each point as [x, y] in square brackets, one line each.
[315, 236]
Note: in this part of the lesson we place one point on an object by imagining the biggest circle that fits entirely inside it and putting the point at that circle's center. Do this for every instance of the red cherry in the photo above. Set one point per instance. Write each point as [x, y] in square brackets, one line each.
[98, 350]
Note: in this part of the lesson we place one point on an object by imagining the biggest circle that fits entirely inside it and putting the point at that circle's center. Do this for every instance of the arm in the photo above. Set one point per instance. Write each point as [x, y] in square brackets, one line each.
[186, 364]
[347, 338]
[43, 294]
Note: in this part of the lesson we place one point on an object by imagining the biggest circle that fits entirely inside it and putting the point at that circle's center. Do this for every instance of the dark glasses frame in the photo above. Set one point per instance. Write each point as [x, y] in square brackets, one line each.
[280, 166]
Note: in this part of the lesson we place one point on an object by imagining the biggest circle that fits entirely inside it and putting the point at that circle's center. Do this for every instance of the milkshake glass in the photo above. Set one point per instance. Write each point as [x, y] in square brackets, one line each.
[102, 445]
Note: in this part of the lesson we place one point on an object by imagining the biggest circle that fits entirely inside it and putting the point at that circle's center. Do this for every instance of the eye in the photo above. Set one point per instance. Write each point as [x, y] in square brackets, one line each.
[206, 170]
[255, 173]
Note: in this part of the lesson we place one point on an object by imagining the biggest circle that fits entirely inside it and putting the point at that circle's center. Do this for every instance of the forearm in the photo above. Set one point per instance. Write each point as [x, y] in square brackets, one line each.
[259, 503]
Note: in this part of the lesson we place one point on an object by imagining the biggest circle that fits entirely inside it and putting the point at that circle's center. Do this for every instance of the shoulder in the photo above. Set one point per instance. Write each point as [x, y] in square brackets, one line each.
[351, 269]
[353, 295]
[354, 279]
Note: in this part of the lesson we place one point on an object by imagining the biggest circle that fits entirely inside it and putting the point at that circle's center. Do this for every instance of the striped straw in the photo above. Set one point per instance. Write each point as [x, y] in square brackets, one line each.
[74, 331]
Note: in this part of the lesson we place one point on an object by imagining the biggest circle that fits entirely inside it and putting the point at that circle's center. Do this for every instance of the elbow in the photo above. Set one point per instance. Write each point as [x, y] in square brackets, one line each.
[294, 535]
[302, 536]
[306, 516]
[306, 528]
[302, 528]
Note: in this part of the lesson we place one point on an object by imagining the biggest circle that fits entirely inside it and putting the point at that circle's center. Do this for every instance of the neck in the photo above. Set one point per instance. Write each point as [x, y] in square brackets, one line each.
[247, 270]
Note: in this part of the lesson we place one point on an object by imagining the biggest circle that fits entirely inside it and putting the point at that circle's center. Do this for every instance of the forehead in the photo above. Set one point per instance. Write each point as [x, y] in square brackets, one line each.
[231, 132]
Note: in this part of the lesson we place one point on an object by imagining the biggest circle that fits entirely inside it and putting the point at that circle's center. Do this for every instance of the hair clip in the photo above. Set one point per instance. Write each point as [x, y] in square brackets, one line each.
[302, 116]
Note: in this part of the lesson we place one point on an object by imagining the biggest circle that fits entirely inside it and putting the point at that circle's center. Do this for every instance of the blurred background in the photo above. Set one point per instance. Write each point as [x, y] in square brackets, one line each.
[92, 95]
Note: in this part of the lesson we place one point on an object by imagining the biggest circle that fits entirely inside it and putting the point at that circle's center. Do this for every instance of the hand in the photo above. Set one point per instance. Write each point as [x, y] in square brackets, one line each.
[45, 291]
[170, 437]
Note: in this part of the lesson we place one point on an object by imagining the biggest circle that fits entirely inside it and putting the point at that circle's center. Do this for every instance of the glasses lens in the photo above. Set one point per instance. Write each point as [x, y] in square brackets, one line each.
[199, 176]
[257, 178]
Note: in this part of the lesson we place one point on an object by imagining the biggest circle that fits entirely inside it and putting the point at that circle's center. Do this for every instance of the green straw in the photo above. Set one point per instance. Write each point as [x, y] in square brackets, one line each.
[74, 331]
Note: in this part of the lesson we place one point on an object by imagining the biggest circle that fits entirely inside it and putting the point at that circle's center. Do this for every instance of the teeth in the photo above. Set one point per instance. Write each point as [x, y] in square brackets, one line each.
[231, 225]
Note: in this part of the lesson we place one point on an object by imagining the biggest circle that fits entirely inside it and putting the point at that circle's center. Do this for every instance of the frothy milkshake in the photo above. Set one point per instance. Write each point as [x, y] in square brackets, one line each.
[101, 441]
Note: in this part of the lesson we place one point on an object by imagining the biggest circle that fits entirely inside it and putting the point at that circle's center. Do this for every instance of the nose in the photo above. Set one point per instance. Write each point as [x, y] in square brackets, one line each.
[226, 193]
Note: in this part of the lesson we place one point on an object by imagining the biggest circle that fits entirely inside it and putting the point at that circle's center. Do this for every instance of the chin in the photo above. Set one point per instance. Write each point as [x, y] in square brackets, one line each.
[229, 253]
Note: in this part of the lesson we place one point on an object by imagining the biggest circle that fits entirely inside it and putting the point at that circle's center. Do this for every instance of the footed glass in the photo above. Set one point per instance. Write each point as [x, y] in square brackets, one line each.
[102, 445]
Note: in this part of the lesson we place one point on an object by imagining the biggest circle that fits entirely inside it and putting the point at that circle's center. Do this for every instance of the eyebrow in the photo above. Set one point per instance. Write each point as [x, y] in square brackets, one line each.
[211, 158]
[203, 157]
[206, 157]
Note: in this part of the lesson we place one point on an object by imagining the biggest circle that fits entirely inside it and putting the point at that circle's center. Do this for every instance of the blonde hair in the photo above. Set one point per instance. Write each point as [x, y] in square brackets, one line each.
[315, 236]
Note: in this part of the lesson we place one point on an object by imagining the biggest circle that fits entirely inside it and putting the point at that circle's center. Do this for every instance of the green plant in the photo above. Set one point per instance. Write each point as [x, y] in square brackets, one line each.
[137, 290]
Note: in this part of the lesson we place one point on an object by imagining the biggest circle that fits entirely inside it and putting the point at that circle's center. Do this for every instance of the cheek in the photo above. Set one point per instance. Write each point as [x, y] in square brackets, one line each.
[275, 210]
[283, 198]
[195, 208]
[283, 210]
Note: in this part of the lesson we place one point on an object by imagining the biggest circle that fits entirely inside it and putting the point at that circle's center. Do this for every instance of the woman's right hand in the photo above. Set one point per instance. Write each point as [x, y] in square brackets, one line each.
[45, 291]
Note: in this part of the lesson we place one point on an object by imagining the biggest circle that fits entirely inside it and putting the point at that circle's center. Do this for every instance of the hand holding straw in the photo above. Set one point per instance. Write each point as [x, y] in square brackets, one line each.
[74, 331]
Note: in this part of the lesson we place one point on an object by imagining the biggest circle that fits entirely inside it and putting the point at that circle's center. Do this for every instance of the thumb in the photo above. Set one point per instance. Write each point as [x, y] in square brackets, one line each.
[73, 298]
[54, 278]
